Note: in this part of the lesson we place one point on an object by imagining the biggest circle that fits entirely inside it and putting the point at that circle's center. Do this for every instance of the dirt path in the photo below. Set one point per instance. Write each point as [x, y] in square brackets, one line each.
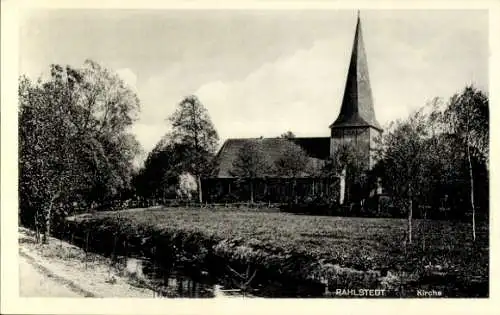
[34, 283]
[59, 269]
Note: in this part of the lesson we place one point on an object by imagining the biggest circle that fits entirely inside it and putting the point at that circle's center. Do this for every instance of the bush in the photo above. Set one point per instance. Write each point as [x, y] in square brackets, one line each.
[318, 205]
[382, 206]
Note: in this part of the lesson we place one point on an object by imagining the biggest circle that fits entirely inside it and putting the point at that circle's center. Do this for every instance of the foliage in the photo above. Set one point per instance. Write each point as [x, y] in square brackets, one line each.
[403, 157]
[405, 164]
[287, 135]
[349, 158]
[427, 160]
[192, 127]
[292, 162]
[73, 139]
[250, 162]
[187, 185]
[467, 116]
[162, 167]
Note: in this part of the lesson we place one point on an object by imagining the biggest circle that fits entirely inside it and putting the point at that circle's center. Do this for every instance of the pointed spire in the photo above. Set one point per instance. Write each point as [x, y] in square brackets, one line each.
[357, 103]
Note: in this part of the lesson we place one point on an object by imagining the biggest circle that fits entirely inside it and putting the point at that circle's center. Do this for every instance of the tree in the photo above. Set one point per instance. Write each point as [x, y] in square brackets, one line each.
[467, 116]
[403, 156]
[292, 163]
[287, 135]
[250, 163]
[73, 139]
[153, 176]
[192, 126]
[48, 159]
[349, 163]
[110, 107]
[187, 185]
[162, 168]
[438, 155]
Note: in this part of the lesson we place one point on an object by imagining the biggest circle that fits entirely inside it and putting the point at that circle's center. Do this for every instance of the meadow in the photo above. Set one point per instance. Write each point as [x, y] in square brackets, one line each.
[284, 248]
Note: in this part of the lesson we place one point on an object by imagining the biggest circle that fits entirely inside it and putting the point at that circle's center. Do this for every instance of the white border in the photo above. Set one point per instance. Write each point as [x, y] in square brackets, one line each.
[10, 301]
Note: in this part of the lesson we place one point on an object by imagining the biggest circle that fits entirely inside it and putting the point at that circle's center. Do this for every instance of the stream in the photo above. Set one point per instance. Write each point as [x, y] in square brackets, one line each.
[172, 284]
[202, 284]
[169, 276]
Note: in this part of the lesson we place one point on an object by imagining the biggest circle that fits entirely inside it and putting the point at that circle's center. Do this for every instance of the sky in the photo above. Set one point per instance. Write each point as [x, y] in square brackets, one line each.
[263, 72]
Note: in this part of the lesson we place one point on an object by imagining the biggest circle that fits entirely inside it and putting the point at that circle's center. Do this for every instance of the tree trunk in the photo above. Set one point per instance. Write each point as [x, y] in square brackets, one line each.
[265, 190]
[424, 223]
[342, 187]
[472, 195]
[48, 219]
[410, 213]
[251, 191]
[295, 190]
[37, 227]
[378, 204]
[46, 228]
[200, 193]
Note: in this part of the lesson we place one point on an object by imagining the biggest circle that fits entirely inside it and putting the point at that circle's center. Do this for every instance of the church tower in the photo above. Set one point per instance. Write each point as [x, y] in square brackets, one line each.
[356, 122]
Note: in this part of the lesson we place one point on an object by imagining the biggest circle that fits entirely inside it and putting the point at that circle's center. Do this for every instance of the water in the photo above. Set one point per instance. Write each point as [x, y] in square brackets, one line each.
[173, 284]
[179, 284]
[169, 278]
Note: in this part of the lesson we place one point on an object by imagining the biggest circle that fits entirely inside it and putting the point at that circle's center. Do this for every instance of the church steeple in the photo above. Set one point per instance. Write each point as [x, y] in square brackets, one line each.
[357, 103]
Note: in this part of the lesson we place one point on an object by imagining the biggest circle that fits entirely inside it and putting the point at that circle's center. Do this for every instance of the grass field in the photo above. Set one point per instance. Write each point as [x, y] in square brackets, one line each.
[352, 252]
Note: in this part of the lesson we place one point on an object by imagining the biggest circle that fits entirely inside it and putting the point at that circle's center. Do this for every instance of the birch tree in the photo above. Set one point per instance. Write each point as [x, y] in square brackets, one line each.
[467, 116]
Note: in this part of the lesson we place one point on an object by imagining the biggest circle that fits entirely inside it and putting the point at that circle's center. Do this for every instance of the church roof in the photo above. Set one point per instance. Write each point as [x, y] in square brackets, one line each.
[317, 150]
[357, 103]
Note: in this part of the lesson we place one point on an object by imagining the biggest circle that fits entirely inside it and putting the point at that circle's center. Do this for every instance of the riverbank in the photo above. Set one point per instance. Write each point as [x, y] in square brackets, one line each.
[59, 269]
[297, 255]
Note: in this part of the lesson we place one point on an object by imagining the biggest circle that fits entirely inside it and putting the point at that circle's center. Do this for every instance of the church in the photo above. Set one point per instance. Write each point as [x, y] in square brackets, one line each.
[355, 124]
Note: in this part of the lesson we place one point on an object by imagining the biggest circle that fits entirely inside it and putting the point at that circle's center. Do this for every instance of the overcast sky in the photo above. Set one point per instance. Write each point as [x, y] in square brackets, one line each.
[260, 73]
